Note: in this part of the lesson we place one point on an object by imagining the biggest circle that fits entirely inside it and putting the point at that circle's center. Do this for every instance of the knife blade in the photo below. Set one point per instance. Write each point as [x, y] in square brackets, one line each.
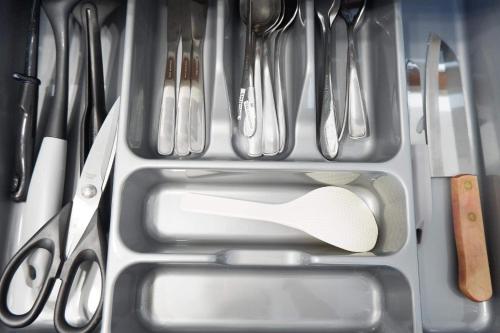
[182, 131]
[197, 106]
[451, 156]
[168, 110]
[419, 150]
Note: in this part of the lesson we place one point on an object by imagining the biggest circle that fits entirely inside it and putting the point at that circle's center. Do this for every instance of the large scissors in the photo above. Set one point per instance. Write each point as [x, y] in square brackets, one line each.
[72, 236]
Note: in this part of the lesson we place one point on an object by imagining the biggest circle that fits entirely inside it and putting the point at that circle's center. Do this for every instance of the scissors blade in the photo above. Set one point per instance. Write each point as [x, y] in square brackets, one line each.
[93, 179]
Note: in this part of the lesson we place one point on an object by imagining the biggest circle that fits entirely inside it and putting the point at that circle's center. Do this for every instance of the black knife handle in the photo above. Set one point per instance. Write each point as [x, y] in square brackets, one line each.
[25, 136]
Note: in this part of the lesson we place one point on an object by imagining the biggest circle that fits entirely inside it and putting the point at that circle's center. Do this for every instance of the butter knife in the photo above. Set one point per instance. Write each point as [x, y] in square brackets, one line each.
[184, 97]
[197, 116]
[166, 124]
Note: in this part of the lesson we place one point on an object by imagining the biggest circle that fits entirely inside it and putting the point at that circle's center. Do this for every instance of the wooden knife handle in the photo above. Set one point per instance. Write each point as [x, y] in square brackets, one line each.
[474, 278]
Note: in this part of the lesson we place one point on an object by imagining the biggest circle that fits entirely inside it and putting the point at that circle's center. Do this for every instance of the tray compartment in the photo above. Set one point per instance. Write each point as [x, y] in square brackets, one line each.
[151, 220]
[378, 57]
[471, 30]
[147, 73]
[212, 298]
[297, 77]
[16, 16]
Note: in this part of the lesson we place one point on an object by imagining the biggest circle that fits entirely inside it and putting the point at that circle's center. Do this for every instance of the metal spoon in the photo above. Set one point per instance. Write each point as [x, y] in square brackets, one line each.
[328, 136]
[258, 17]
[352, 11]
[264, 15]
[290, 11]
[270, 129]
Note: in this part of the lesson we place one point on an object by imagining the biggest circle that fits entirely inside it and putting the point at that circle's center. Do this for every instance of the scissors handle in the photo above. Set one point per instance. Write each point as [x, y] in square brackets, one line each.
[50, 238]
[90, 248]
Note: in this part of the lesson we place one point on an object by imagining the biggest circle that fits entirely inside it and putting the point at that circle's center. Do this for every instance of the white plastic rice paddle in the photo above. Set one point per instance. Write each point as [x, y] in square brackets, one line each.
[332, 214]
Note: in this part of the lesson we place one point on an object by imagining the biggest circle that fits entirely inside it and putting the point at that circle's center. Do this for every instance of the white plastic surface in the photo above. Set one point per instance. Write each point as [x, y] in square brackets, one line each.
[43, 202]
[332, 214]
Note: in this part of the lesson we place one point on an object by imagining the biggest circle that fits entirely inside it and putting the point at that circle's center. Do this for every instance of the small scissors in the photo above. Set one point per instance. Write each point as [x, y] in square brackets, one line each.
[72, 236]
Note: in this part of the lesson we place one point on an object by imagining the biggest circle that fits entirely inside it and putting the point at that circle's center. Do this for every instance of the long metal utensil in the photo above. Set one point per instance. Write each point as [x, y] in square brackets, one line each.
[27, 109]
[451, 156]
[182, 133]
[168, 111]
[197, 116]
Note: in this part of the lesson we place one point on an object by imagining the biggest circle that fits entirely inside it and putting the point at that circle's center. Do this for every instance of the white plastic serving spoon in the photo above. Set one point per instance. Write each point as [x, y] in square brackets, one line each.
[332, 214]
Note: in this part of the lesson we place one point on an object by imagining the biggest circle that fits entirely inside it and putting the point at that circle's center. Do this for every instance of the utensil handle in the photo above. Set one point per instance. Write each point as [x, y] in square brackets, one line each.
[356, 110]
[166, 124]
[25, 137]
[96, 112]
[474, 278]
[89, 249]
[212, 205]
[329, 137]
[182, 121]
[197, 108]
[270, 132]
[48, 238]
[246, 102]
[280, 93]
[255, 141]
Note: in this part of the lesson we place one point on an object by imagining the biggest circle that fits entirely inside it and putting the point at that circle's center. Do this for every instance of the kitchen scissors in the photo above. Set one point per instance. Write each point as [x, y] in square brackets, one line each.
[72, 236]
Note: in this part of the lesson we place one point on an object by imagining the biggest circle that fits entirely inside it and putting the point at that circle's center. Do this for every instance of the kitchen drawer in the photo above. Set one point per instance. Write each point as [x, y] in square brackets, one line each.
[170, 270]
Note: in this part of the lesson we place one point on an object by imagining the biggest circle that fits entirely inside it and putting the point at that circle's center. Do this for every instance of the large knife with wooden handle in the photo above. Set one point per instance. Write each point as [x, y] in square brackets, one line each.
[450, 155]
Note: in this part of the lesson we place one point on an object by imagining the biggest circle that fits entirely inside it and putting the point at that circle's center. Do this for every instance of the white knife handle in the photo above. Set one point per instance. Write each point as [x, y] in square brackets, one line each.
[166, 124]
[197, 108]
[182, 121]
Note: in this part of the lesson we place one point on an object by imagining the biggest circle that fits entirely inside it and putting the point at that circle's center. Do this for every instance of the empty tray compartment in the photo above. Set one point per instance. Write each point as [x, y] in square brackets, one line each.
[212, 298]
[152, 221]
[380, 55]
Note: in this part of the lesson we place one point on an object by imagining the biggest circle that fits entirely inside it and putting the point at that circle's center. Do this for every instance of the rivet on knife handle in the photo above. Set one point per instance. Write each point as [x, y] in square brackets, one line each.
[473, 268]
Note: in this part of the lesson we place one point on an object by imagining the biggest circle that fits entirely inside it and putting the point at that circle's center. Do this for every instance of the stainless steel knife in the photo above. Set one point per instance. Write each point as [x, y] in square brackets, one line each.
[197, 116]
[451, 156]
[182, 132]
[166, 125]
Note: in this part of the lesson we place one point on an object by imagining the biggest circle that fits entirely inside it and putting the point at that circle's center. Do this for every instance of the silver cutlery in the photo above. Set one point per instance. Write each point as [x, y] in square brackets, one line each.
[328, 136]
[352, 11]
[270, 131]
[182, 134]
[197, 106]
[260, 16]
[166, 125]
[290, 10]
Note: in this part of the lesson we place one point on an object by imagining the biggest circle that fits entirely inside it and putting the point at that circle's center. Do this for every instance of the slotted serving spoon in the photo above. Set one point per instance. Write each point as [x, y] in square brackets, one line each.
[331, 214]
